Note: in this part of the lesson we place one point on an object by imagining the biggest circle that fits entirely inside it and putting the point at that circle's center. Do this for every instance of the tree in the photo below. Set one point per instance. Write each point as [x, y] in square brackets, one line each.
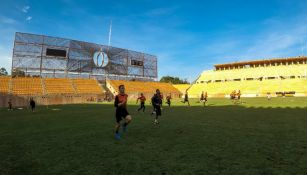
[18, 73]
[173, 80]
[3, 71]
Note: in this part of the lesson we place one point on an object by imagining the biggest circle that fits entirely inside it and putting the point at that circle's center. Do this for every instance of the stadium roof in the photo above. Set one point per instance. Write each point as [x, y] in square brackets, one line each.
[257, 62]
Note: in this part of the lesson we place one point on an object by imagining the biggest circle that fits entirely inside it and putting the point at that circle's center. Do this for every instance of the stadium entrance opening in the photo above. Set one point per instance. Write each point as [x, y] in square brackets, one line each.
[100, 59]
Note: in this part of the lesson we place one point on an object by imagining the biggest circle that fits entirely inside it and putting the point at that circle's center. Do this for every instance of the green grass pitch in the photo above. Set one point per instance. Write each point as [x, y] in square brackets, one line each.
[255, 137]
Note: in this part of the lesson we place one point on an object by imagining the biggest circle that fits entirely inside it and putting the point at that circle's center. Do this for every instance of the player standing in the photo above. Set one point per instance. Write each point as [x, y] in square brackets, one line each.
[32, 104]
[186, 98]
[120, 104]
[269, 96]
[142, 99]
[203, 98]
[10, 107]
[157, 102]
[239, 96]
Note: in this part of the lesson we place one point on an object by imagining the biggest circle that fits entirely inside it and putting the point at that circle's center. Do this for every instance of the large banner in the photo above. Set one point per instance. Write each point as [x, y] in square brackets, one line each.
[57, 57]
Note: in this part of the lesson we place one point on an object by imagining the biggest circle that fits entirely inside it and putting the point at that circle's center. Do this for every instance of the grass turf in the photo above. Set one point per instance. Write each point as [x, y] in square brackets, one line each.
[255, 137]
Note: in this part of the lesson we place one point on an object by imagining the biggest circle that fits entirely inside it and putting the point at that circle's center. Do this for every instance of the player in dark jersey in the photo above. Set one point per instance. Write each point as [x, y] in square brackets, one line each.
[168, 100]
[32, 104]
[203, 98]
[186, 98]
[142, 99]
[10, 107]
[156, 101]
[120, 104]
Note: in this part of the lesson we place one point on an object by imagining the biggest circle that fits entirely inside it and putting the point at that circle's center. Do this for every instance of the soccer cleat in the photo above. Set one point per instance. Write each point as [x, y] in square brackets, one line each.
[117, 136]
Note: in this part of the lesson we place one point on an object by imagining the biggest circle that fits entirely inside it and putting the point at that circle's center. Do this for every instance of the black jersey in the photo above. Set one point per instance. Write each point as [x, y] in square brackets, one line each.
[156, 100]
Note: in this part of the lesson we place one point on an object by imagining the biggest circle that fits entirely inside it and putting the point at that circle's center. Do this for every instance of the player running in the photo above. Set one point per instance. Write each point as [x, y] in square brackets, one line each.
[168, 100]
[142, 99]
[203, 98]
[120, 104]
[157, 102]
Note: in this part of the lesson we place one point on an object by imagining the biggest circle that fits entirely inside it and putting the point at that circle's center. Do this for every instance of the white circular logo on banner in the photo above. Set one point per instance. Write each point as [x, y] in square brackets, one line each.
[100, 59]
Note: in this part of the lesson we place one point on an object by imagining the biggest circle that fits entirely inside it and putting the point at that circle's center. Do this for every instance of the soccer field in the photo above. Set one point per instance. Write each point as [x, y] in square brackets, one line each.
[255, 137]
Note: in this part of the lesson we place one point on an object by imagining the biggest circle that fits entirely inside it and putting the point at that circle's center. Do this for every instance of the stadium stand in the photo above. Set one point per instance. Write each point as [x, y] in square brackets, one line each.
[254, 78]
[4, 84]
[148, 88]
[58, 86]
[47, 91]
[27, 86]
[87, 86]
[182, 87]
[46, 86]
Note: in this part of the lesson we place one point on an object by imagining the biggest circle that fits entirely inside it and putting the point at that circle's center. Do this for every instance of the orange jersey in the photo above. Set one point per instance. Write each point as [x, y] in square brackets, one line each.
[121, 98]
[142, 98]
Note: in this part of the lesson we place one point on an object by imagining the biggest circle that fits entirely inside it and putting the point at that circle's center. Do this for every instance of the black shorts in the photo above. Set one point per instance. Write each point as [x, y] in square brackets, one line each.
[158, 110]
[120, 114]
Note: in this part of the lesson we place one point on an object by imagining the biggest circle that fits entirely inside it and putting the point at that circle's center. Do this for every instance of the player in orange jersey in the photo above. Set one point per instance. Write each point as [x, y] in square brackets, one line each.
[120, 104]
[142, 99]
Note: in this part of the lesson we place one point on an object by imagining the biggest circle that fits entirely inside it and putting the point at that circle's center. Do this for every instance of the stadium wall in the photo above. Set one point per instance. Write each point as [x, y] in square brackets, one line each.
[22, 101]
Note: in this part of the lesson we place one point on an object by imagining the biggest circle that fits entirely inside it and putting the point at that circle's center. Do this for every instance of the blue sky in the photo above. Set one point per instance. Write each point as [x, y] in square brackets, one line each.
[186, 36]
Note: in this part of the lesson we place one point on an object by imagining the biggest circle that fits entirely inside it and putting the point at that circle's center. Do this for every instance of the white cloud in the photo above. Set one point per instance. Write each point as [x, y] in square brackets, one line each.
[25, 9]
[7, 20]
[29, 18]
[277, 38]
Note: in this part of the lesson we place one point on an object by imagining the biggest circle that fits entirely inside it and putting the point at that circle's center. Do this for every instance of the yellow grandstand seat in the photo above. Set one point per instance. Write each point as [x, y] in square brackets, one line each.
[144, 87]
[87, 86]
[27, 86]
[58, 86]
[4, 84]
[253, 80]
